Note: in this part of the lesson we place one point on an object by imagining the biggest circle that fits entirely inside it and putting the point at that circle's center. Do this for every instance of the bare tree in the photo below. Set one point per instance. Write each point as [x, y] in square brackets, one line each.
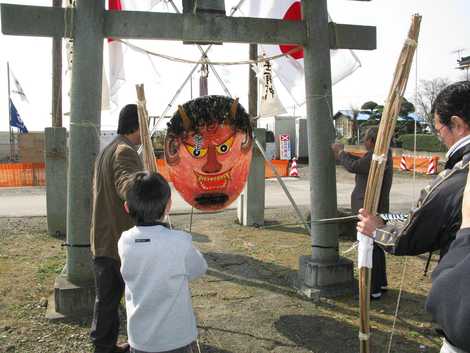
[427, 93]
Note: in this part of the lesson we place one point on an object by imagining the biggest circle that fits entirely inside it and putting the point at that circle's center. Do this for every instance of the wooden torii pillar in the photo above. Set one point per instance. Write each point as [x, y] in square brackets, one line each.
[89, 23]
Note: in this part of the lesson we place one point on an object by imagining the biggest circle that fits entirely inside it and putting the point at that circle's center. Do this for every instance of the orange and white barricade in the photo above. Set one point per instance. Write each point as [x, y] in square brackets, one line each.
[432, 166]
[403, 165]
[293, 168]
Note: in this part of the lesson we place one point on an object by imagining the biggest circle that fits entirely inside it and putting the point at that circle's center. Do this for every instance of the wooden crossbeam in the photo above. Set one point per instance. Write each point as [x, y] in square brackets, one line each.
[203, 28]
[49, 22]
[37, 21]
[344, 36]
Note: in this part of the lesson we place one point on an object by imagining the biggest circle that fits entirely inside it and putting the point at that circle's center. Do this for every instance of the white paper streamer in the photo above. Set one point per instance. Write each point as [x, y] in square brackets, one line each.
[380, 159]
[364, 251]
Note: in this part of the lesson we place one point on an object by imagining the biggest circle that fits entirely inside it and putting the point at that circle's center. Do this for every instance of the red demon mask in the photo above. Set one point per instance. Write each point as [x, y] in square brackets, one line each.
[208, 150]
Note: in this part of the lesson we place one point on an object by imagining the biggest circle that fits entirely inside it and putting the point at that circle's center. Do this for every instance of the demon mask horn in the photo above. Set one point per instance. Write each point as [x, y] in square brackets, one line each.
[184, 118]
[233, 109]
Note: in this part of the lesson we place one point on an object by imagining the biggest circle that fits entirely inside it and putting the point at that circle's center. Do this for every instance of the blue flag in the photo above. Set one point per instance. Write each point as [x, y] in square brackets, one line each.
[15, 119]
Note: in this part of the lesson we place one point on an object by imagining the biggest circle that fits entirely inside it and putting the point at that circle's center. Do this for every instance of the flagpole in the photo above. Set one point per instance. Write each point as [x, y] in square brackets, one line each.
[9, 114]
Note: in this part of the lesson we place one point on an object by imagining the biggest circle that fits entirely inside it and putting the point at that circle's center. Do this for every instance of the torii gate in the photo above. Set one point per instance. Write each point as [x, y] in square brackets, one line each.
[89, 23]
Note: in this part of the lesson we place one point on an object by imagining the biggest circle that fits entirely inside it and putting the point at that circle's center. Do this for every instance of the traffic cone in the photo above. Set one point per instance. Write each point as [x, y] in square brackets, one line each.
[432, 168]
[293, 168]
[403, 165]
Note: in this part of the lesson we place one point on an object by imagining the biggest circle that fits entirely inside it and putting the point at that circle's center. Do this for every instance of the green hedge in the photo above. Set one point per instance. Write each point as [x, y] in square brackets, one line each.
[424, 142]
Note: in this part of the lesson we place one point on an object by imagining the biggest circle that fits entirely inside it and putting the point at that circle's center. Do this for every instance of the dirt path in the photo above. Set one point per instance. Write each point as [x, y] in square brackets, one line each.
[245, 304]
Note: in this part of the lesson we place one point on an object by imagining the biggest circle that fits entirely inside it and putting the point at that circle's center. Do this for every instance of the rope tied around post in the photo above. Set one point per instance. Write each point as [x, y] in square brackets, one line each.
[411, 42]
[363, 336]
[87, 124]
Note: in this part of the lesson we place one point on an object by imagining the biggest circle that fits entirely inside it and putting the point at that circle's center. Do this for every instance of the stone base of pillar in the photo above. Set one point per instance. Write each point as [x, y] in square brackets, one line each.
[70, 300]
[316, 280]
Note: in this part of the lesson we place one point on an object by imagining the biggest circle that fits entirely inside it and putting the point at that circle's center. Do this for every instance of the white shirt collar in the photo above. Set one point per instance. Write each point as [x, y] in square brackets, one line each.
[458, 145]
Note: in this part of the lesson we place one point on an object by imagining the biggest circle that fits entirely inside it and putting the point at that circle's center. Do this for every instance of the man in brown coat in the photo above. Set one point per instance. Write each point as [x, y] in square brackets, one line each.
[360, 167]
[113, 168]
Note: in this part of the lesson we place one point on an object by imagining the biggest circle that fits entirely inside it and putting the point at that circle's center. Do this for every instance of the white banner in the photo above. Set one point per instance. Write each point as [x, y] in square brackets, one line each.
[269, 103]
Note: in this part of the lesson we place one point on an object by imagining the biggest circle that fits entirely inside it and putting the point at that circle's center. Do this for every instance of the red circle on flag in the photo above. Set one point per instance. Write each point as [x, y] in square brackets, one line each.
[293, 13]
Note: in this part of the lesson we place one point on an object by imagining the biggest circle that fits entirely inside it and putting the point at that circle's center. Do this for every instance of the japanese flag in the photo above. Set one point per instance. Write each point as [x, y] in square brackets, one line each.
[289, 69]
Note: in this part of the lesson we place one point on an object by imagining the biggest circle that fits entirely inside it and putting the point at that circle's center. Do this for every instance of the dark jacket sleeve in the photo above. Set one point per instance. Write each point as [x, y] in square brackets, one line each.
[126, 162]
[432, 225]
[449, 298]
[355, 164]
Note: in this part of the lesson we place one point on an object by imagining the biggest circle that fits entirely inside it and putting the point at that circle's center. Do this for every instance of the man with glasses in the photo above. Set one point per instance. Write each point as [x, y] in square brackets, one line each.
[452, 312]
[434, 222]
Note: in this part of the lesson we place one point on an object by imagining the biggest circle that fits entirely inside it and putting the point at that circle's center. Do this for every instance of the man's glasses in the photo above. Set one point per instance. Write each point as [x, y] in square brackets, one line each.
[439, 130]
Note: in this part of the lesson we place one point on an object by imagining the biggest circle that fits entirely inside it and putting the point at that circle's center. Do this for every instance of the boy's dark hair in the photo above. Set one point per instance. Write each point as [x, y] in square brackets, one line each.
[128, 120]
[147, 197]
[453, 100]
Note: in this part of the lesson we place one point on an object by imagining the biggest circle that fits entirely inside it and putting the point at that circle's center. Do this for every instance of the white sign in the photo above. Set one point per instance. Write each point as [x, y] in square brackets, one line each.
[284, 147]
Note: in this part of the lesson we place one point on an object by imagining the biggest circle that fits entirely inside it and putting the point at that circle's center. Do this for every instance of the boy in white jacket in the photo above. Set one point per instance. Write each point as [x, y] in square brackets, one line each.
[157, 264]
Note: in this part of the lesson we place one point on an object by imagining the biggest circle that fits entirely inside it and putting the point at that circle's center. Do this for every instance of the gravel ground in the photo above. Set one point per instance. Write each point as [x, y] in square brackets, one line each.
[245, 303]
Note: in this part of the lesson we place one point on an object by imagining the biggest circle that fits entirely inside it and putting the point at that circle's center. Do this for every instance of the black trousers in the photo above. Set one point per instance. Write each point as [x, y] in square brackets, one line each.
[379, 270]
[109, 287]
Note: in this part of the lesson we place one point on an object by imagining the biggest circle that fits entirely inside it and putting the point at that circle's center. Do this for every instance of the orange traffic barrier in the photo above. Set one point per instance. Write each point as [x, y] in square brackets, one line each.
[22, 174]
[163, 169]
[357, 153]
[281, 166]
[421, 164]
[34, 174]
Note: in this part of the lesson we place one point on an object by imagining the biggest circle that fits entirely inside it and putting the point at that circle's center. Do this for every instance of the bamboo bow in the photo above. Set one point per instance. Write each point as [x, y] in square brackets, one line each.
[376, 173]
[147, 146]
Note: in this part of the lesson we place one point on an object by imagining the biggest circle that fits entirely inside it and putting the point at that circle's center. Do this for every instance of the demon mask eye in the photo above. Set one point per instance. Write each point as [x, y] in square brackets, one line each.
[195, 152]
[225, 147]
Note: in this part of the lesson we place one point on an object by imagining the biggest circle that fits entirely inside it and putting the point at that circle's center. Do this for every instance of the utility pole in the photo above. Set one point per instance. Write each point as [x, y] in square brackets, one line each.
[252, 200]
[56, 151]
[12, 140]
[57, 76]
[253, 86]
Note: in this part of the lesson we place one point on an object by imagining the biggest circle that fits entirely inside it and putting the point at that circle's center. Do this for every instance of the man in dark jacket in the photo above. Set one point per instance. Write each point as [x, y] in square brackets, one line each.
[113, 169]
[433, 224]
[360, 167]
[449, 299]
